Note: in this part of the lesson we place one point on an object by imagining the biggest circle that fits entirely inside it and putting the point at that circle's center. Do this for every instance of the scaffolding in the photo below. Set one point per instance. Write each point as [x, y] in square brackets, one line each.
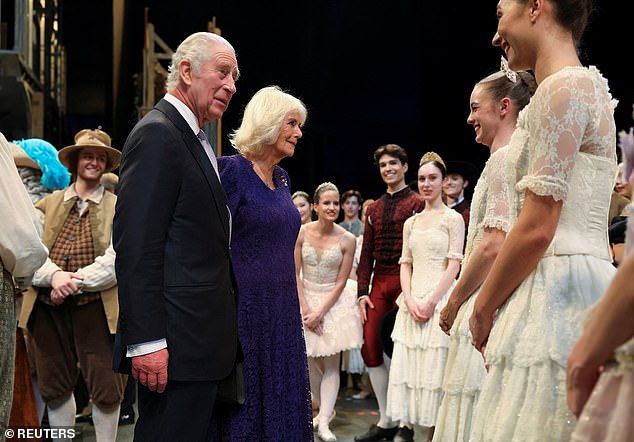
[155, 52]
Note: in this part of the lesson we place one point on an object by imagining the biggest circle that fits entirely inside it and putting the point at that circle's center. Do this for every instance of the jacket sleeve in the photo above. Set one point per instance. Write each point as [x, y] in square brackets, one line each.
[147, 194]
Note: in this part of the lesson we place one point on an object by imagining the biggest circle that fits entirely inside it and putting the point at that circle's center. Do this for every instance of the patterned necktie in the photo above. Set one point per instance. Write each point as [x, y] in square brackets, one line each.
[208, 150]
[214, 162]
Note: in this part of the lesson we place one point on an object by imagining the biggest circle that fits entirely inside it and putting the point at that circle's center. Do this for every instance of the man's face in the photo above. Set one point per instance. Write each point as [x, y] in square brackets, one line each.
[392, 170]
[454, 185]
[91, 163]
[351, 206]
[211, 89]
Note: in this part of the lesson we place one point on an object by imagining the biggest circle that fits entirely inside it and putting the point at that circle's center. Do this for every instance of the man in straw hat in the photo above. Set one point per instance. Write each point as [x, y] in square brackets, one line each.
[72, 318]
[178, 321]
[21, 254]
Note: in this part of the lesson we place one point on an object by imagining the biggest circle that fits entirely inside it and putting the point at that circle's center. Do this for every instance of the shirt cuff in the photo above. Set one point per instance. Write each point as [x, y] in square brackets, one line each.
[146, 348]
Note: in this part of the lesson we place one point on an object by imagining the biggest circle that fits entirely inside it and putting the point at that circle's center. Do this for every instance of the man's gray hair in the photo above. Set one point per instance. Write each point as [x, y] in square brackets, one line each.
[197, 50]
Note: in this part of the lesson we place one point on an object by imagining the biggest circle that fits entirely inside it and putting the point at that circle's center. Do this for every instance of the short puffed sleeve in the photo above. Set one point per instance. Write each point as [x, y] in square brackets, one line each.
[499, 192]
[560, 112]
[455, 226]
[406, 254]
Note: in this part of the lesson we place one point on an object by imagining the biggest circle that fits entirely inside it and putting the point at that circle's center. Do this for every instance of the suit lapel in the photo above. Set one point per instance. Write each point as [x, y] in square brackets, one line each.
[197, 151]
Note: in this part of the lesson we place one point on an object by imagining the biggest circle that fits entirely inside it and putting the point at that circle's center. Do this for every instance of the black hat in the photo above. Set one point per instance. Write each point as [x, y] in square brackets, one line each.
[616, 231]
[467, 170]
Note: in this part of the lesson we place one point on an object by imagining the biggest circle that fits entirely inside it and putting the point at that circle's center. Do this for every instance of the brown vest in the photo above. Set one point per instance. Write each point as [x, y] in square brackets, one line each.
[101, 216]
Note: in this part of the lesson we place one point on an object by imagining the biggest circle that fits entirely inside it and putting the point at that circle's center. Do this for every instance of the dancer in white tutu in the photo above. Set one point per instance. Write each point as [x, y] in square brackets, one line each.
[602, 360]
[432, 250]
[555, 262]
[323, 259]
[495, 103]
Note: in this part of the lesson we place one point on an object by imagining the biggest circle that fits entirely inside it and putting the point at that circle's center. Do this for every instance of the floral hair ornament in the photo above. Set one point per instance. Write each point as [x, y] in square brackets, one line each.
[504, 67]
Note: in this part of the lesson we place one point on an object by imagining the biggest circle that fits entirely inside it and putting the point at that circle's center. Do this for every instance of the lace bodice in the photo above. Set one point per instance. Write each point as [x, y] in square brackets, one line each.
[564, 147]
[572, 111]
[321, 266]
[429, 240]
[490, 204]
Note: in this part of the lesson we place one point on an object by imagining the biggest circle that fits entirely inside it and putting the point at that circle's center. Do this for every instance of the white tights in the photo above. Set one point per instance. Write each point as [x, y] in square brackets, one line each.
[324, 383]
[106, 423]
[62, 414]
[379, 378]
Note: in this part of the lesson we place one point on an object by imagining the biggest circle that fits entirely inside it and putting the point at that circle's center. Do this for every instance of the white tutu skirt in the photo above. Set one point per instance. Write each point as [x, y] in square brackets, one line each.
[342, 324]
[464, 374]
[417, 367]
[353, 361]
[523, 397]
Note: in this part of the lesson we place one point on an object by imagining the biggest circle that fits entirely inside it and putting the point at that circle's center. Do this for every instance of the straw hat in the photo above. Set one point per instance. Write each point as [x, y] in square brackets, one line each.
[21, 158]
[91, 138]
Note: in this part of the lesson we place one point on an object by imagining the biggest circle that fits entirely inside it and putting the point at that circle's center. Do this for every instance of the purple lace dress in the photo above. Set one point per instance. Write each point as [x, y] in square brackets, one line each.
[265, 227]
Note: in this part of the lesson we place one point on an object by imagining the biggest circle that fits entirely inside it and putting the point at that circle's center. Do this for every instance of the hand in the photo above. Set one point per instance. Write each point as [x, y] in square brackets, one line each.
[319, 330]
[63, 283]
[414, 309]
[151, 370]
[312, 319]
[480, 326]
[427, 309]
[448, 316]
[580, 380]
[364, 303]
[57, 297]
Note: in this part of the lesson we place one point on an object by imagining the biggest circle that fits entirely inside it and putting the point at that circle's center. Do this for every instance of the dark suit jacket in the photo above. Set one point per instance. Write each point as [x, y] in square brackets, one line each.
[464, 209]
[171, 235]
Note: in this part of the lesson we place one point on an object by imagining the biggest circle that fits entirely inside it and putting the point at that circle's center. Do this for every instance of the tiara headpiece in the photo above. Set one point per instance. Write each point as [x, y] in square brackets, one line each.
[431, 156]
[504, 67]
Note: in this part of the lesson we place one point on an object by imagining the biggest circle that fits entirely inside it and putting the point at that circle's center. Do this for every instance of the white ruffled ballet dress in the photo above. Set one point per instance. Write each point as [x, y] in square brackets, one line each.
[342, 324]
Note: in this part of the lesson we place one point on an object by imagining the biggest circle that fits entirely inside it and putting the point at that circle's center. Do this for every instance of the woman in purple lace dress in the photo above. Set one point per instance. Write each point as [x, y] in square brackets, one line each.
[265, 226]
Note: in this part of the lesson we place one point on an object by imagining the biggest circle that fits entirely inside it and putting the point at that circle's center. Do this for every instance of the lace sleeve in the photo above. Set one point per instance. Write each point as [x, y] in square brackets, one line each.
[560, 114]
[455, 223]
[406, 254]
[498, 206]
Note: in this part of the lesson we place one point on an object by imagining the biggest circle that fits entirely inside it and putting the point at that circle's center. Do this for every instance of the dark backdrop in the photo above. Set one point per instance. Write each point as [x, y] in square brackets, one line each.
[370, 72]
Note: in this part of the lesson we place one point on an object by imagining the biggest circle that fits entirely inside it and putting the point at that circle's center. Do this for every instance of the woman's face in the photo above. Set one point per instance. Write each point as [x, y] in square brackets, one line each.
[514, 25]
[290, 133]
[621, 185]
[328, 206]
[303, 207]
[351, 207]
[430, 182]
[484, 115]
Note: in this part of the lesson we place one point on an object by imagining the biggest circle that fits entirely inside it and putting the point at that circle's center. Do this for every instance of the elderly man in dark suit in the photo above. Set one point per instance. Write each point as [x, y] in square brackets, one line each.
[178, 321]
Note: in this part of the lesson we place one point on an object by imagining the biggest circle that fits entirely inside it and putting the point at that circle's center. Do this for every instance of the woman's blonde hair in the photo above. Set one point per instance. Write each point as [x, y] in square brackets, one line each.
[263, 118]
[324, 187]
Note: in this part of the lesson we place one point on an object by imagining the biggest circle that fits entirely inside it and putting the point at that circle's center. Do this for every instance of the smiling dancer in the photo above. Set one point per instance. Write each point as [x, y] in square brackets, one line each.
[382, 244]
[323, 258]
[494, 105]
[555, 262]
